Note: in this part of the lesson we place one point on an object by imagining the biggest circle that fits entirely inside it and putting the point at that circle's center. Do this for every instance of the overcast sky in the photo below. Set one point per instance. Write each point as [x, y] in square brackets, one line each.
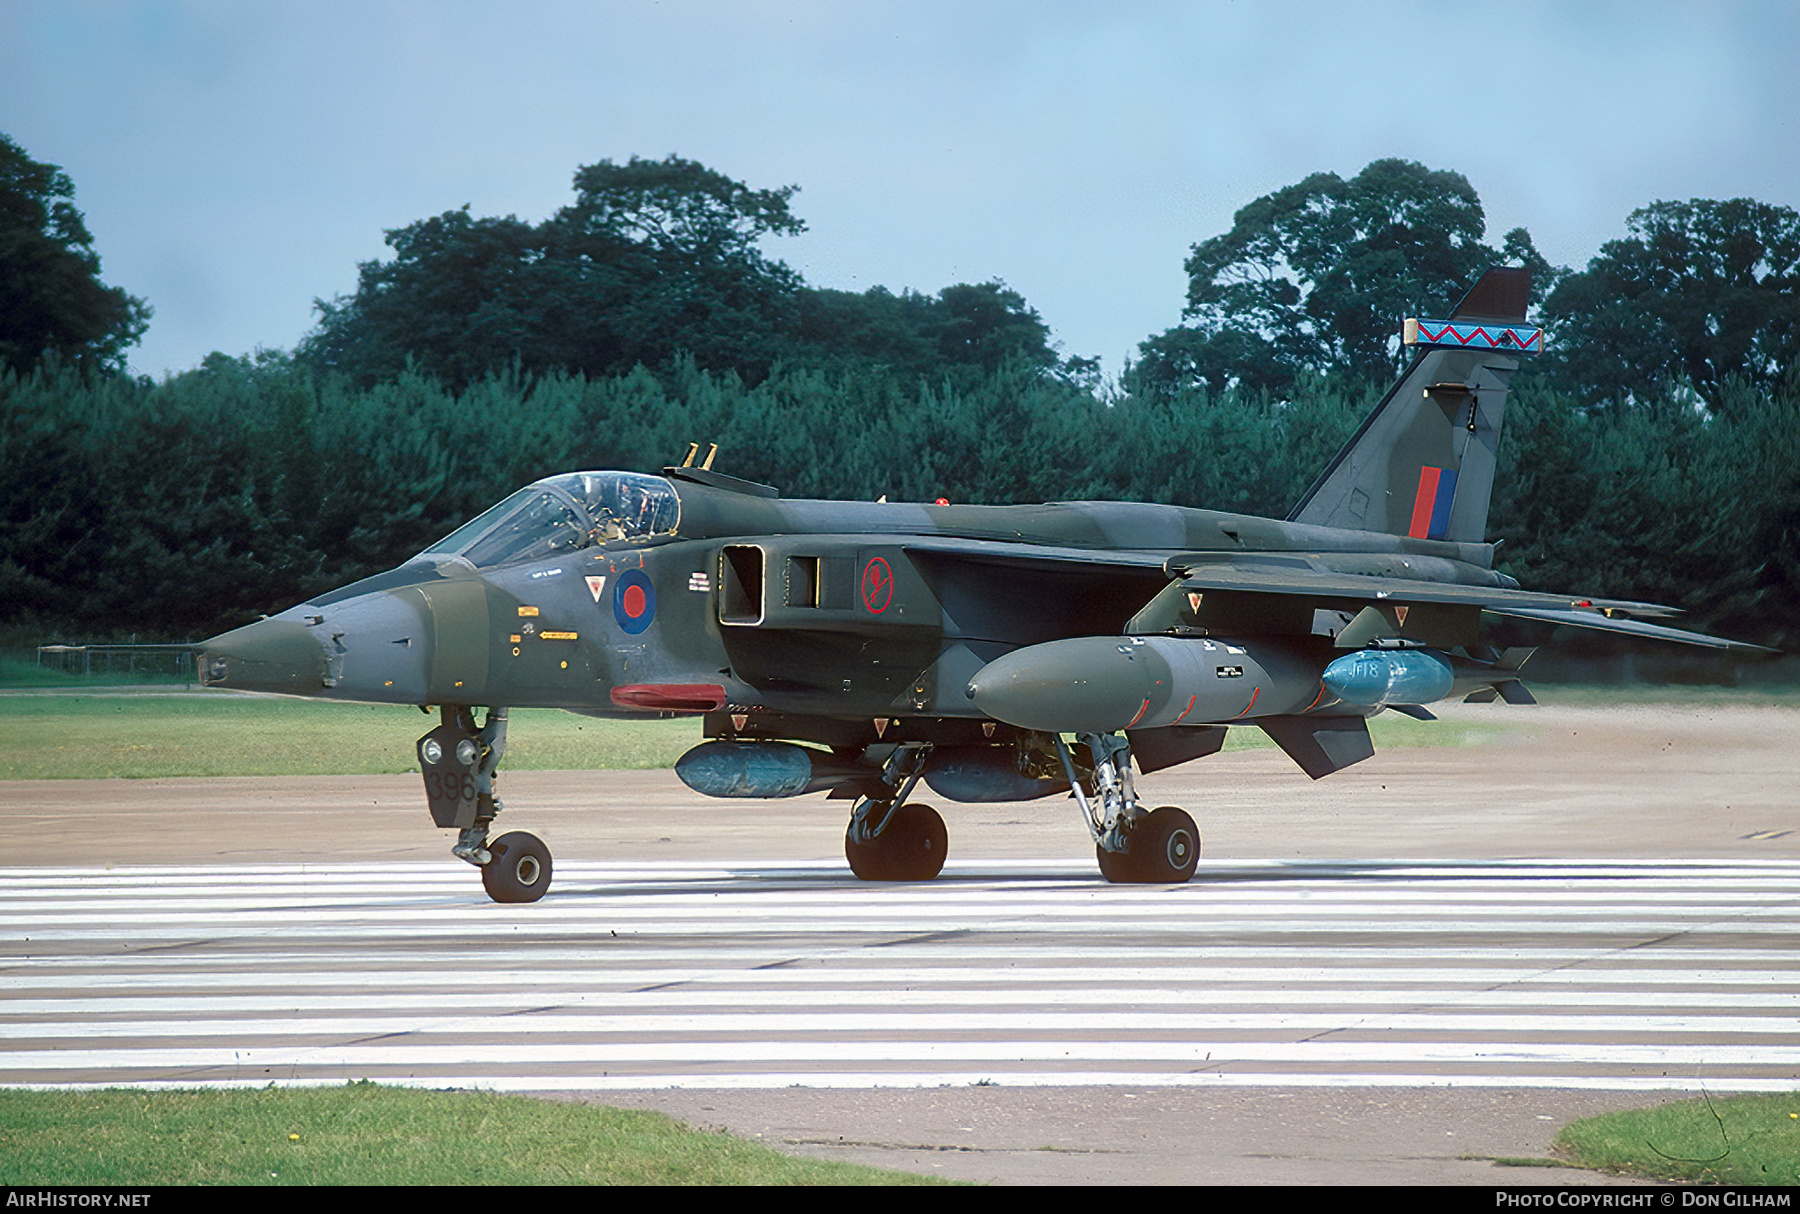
[237, 160]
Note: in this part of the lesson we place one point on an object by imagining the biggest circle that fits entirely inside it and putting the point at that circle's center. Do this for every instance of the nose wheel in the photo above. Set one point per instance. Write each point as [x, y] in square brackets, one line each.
[518, 868]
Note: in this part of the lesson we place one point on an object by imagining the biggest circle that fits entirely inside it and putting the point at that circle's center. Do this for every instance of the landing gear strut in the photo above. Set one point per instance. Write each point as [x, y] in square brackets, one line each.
[1161, 847]
[891, 841]
[459, 762]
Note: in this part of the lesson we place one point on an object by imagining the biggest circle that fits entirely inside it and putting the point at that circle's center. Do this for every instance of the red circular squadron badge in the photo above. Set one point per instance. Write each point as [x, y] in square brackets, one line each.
[877, 585]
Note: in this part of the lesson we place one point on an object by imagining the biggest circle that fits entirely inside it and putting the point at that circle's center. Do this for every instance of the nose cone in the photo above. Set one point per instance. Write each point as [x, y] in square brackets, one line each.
[366, 647]
[277, 654]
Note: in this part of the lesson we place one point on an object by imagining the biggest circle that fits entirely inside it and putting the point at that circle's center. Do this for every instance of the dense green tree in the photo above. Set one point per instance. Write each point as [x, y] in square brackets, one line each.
[965, 331]
[874, 327]
[684, 241]
[988, 325]
[1700, 291]
[654, 261]
[459, 298]
[1317, 276]
[652, 258]
[52, 302]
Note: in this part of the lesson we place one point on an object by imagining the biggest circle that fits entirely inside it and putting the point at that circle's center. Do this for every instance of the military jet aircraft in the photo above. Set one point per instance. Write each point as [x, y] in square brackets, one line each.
[993, 653]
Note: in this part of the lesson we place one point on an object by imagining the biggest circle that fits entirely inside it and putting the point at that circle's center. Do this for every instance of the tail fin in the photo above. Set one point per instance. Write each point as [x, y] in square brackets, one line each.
[1422, 464]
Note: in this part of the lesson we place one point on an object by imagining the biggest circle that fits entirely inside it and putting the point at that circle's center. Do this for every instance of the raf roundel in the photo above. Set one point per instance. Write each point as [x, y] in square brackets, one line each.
[634, 601]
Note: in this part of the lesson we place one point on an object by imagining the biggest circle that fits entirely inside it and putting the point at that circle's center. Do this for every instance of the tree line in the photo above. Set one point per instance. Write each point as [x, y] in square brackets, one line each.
[1648, 457]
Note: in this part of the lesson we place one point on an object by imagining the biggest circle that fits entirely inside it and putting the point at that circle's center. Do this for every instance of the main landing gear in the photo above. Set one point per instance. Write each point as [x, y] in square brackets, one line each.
[458, 762]
[889, 840]
[1160, 847]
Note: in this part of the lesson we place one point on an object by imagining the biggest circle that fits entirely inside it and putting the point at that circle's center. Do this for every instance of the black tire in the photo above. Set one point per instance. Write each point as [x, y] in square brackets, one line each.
[911, 848]
[1167, 846]
[1115, 866]
[519, 870]
[1164, 850]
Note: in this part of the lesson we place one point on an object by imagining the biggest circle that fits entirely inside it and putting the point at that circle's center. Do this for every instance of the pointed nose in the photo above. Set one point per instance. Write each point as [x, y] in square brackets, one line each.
[369, 647]
[276, 654]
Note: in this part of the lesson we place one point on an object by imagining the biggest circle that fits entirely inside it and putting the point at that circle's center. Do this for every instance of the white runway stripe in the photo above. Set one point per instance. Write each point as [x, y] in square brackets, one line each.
[1623, 974]
[16, 1012]
[1149, 1052]
[943, 949]
[964, 1021]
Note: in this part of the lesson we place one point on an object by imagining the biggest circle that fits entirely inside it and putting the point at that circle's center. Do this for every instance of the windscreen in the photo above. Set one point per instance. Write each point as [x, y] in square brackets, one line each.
[565, 513]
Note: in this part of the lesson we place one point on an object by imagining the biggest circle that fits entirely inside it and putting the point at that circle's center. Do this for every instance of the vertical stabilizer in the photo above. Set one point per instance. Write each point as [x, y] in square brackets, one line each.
[1422, 464]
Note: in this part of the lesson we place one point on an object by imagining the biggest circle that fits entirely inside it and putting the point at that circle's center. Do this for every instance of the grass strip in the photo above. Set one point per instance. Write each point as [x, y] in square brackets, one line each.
[147, 735]
[366, 1134]
[1735, 1140]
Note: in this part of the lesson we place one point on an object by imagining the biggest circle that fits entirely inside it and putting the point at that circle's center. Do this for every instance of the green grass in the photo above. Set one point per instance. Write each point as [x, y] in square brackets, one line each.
[365, 1134]
[1677, 695]
[146, 735]
[23, 672]
[1738, 1140]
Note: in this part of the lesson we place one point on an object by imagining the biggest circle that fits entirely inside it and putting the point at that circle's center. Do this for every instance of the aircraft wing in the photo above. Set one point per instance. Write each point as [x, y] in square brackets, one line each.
[1297, 577]
[1656, 632]
[1605, 615]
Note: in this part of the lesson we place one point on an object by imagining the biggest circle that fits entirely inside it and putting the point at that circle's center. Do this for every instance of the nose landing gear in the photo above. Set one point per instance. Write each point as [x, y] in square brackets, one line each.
[458, 762]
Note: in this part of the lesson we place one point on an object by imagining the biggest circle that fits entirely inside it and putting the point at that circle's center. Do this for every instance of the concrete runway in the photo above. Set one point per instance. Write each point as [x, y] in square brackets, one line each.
[1712, 783]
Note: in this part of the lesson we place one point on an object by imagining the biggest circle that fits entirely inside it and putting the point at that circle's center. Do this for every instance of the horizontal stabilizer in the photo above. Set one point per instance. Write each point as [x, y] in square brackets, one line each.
[1637, 628]
[1320, 745]
[1205, 571]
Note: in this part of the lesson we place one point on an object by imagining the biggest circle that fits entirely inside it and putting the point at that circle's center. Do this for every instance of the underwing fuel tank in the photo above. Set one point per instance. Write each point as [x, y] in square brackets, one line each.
[1103, 684]
[1376, 678]
[765, 770]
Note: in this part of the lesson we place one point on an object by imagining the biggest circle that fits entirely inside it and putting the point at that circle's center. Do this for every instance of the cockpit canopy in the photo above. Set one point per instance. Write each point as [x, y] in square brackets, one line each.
[563, 514]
